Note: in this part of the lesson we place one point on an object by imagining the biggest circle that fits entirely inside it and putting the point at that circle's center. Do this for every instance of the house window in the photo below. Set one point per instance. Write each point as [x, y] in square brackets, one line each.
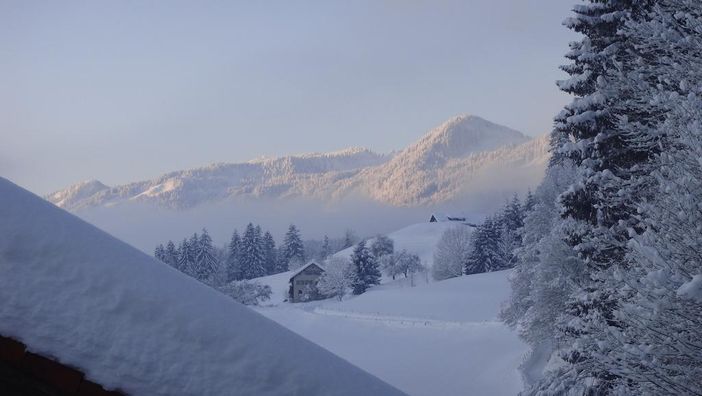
[299, 292]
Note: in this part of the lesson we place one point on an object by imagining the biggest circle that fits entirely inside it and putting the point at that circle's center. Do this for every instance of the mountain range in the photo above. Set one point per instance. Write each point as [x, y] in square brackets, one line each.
[464, 156]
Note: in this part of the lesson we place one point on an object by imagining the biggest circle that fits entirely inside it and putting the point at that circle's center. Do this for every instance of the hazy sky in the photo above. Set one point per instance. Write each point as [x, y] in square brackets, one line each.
[126, 90]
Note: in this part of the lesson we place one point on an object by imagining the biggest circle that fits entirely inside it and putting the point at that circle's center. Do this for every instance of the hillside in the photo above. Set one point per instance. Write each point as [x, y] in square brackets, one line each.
[74, 293]
[441, 338]
[420, 239]
[438, 338]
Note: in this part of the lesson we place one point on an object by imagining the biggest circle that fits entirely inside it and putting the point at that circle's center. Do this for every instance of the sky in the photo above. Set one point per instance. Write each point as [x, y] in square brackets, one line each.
[122, 91]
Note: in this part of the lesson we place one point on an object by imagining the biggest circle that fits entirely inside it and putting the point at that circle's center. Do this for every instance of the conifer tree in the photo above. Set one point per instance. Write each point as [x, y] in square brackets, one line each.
[512, 220]
[185, 257]
[270, 253]
[190, 266]
[611, 161]
[293, 249]
[171, 254]
[160, 253]
[366, 271]
[326, 248]
[487, 252]
[232, 266]
[349, 239]
[206, 264]
[251, 255]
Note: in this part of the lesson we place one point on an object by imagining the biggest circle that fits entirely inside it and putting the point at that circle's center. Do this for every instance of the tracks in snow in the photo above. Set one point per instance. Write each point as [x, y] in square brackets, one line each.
[402, 321]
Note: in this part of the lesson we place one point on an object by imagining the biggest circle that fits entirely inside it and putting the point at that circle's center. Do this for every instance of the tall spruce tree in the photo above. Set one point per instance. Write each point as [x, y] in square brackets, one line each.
[326, 249]
[512, 220]
[171, 254]
[655, 347]
[251, 256]
[206, 263]
[233, 267]
[611, 165]
[185, 257]
[293, 249]
[270, 253]
[160, 253]
[365, 266]
[487, 252]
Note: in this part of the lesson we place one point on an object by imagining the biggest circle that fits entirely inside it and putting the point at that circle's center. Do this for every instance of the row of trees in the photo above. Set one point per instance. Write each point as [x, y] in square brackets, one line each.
[489, 247]
[250, 255]
[609, 274]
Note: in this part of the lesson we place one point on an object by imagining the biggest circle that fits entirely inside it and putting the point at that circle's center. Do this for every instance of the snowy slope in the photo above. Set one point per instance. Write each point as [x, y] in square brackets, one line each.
[435, 170]
[449, 160]
[73, 292]
[438, 338]
[420, 239]
[441, 338]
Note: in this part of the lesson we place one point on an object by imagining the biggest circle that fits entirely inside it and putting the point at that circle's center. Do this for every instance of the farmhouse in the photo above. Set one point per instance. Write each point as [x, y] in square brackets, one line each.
[436, 218]
[303, 283]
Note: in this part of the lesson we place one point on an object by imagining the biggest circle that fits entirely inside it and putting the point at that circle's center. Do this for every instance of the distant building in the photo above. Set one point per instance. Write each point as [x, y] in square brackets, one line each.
[303, 283]
[437, 218]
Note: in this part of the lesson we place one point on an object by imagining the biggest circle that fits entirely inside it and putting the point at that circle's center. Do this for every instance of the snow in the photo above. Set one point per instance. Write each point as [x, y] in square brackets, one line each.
[74, 293]
[692, 289]
[420, 239]
[441, 338]
[438, 338]
[461, 153]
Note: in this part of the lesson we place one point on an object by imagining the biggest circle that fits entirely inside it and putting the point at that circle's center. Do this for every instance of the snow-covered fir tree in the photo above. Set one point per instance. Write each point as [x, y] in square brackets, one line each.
[349, 239]
[251, 255]
[293, 250]
[655, 349]
[512, 220]
[171, 254]
[365, 267]
[487, 250]
[547, 269]
[600, 207]
[270, 253]
[232, 265]
[603, 275]
[206, 262]
[325, 250]
[160, 253]
[186, 257]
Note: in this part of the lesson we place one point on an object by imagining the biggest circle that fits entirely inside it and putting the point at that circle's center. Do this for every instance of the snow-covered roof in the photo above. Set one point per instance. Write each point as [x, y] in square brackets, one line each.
[304, 267]
[72, 292]
[445, 217]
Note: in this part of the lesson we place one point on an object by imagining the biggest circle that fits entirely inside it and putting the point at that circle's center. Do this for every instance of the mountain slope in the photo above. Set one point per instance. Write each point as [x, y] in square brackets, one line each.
[279, 177]
[447, 161]
[422, 177]
[74, 293]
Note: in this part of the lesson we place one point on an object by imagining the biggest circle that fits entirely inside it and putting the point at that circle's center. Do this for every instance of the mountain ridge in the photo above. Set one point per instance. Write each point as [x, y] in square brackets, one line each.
[431, 170]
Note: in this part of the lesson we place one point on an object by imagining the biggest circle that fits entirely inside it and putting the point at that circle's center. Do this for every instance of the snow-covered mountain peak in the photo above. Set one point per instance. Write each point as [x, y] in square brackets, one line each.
[77, 192]
[458, 137]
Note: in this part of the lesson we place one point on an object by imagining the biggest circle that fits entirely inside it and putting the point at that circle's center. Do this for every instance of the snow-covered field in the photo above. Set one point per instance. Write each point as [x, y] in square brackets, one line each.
[438, 338]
